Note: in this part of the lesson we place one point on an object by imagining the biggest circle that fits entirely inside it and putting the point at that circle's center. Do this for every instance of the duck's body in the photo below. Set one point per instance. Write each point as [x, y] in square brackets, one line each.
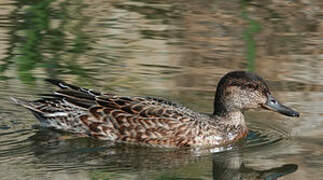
[153, 121]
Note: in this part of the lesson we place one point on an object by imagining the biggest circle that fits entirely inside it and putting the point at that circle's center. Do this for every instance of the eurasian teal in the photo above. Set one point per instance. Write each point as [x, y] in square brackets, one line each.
[156, 121]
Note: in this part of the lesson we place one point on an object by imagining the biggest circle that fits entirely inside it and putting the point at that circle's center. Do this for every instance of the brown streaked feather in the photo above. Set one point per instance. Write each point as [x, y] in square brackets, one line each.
[142, 120]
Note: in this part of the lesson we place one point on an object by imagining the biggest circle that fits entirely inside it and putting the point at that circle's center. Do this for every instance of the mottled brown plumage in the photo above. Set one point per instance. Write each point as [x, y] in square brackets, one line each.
[154, 121]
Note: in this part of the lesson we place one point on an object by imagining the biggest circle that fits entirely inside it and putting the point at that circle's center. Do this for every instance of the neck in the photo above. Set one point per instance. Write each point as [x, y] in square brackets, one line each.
[234, 126]
[219, 108]
[235, 118]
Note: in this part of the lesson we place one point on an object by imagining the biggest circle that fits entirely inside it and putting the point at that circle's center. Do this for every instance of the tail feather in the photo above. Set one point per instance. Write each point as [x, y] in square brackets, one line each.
[31, 105]
[62, 109]
[54, 113]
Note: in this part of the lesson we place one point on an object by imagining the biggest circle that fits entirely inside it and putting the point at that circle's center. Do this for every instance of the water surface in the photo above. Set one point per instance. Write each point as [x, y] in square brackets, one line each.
[170, 49]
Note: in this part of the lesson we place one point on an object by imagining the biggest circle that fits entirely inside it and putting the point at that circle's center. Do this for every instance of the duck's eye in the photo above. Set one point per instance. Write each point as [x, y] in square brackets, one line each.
[249, 86]
[273, 101]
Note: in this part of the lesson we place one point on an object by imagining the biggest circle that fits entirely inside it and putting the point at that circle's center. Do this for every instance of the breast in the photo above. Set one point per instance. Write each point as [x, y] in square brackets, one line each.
[221, 135]
[241, 133]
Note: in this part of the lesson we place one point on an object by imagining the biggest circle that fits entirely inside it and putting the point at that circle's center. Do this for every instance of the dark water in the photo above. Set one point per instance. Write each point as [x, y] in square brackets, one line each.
[173, 49]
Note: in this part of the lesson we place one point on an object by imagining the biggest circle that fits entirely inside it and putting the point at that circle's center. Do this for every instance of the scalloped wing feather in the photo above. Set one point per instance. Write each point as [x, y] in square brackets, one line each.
[140, 120]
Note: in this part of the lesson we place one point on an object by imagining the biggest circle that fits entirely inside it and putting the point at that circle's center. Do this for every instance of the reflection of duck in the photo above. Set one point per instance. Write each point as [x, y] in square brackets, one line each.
[156, 121]
[229, 166]
[79, 154]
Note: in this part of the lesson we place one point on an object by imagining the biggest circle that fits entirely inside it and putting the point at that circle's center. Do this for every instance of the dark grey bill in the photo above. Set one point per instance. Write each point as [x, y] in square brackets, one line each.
[274, 105]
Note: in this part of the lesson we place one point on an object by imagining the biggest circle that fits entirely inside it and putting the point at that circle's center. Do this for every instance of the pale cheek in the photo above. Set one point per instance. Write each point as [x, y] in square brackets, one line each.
[248, 100]
[244, 99]
[249, 104]
[256, 100]
[239, 101]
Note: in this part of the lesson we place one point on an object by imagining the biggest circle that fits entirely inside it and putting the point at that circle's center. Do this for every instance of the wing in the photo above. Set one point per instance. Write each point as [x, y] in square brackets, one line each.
[143, 120]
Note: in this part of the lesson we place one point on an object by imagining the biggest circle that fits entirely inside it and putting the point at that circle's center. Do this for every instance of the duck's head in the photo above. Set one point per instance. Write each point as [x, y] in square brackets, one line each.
[240, 90]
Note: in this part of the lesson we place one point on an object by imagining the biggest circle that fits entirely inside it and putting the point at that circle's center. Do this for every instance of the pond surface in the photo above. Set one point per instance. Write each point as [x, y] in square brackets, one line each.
[172, 49]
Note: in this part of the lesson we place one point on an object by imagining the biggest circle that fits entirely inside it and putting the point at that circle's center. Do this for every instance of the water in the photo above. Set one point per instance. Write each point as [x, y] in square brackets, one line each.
[172, 49]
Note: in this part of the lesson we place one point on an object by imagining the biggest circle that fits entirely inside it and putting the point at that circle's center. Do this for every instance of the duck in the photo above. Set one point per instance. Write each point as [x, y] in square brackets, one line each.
[155, 121]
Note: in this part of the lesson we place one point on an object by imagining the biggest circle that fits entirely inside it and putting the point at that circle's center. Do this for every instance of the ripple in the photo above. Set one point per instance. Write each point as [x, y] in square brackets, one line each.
[60, 154]
[264, 135]
[15, 145]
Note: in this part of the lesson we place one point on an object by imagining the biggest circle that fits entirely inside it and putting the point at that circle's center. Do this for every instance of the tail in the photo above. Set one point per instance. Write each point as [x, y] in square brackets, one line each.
[62, 108]
[54, 113]
[33, 106]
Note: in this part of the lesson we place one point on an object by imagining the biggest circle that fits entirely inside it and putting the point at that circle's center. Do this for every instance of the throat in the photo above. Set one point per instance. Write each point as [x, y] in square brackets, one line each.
[232, 127]
[233, 118]
[235, 124]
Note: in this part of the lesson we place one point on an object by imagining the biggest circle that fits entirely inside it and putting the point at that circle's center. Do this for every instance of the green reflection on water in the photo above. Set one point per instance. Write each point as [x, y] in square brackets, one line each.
[36, 22]
[40, 35]
[253, 28]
